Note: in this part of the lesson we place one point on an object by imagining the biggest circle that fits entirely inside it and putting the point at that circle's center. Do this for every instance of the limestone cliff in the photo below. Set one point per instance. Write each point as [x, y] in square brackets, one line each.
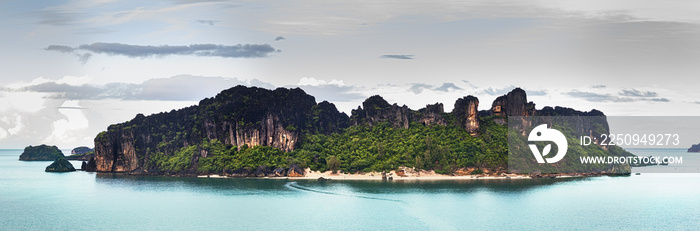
[377, 110]
[432, 114]
[513, 104]
[592, 123]
[237, 116]
[466, 110]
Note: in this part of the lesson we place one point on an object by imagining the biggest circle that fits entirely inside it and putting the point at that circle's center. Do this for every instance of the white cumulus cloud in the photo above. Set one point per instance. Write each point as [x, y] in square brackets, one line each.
[68, 128]
[310, 81]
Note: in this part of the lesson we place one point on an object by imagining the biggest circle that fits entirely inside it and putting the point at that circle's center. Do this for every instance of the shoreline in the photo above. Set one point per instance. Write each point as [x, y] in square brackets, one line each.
[393, 176]
[405, 174]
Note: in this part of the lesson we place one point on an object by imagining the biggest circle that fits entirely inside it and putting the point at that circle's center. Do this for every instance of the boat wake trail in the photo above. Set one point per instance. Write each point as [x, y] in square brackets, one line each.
[295, 185]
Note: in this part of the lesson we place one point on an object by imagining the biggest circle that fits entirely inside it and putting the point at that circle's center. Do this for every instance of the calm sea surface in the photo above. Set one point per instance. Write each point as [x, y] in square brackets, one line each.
[31, 199]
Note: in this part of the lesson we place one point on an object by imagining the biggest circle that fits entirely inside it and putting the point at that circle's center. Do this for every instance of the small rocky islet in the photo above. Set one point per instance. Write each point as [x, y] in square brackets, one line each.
[60, 165]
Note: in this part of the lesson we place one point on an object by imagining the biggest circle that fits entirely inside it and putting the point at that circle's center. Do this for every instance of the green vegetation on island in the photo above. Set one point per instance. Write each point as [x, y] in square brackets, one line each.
[60, 165]
[41, 153]
[81, 150]
[357, 149]
[82, 156]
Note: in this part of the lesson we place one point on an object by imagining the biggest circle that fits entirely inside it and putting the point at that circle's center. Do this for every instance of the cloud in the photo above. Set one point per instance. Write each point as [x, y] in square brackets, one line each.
[194, 1]
[418, 88]
[636, 93]
[139, 51]
[657, 100]
[279, 38]
[334, 90]
[505, 90]
[447, 86]
[596, 97]
[60, 48]
[396, 56]
[187, 87]
[307, 81]
[83, 58]
[66, 128]
[176, 88]
[207, 22]
[10, 125]
[133, 51]
[57, 17]
[66, 91]
[535, 92]
[333, 93]
[470, 84]
[498, 91]
[602, 97]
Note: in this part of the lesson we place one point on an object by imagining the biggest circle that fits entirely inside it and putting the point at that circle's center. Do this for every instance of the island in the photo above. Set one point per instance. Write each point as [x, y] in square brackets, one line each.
[41, 153]
[60, 165]
[694, 148]
[81, 150]
[256, 132]
[81, 153]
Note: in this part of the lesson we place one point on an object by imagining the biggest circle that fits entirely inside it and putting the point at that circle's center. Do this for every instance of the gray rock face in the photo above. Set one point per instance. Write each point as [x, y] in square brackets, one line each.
[263, 171]
[513, 104]
[91, 166]
[238, 116]
[280, 172]
[295, 171]
[432, 114]
[466, 110]
[694, 148]
[376, 110]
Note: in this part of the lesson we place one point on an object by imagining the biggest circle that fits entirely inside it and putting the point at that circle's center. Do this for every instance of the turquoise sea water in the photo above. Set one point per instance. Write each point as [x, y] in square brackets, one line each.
[31, 199]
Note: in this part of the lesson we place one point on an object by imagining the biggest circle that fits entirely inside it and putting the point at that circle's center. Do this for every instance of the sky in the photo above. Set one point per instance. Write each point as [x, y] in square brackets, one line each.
[72, 68]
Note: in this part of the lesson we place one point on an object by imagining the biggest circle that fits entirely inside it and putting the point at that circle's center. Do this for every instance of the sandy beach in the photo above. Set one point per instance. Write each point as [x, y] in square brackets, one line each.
[406, 175]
